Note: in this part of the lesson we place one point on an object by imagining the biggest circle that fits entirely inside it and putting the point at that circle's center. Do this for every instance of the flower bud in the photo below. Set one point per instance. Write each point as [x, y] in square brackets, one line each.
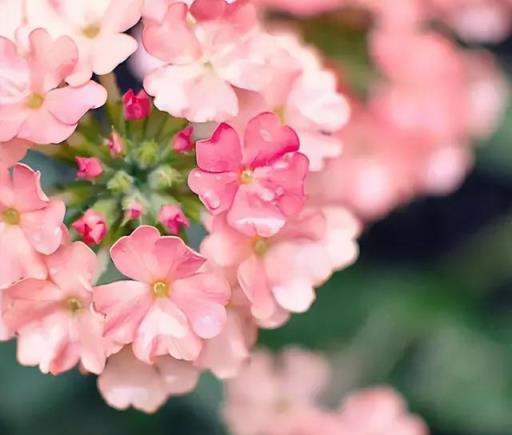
[136, 106]
[147, 154]
[121, 182]
[91, 227]
[89, 168]
[173, 219]
[182, 141]
[133, 210]
[115, 144]
[164, 177]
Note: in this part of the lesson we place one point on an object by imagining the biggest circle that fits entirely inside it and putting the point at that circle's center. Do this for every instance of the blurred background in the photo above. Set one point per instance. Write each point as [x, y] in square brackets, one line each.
[427, 308]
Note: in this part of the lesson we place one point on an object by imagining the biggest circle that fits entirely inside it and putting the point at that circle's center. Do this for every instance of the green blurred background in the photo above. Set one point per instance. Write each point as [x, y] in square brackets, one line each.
[427, 309]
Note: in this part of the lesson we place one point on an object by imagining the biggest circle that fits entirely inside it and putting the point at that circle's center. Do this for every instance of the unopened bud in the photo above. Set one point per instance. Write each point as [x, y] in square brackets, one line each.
[91, 227]
[183, 141]
[173, 219]
[121, 182]
[136, 106]
[147, 154]
[115, 144]
[164, 177]
[89, 168]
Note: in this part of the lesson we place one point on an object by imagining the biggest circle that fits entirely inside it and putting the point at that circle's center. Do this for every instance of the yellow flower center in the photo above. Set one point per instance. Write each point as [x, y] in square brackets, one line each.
[247, 176]
[11, 216]
[91, 31]
[260, 246]
[74, 305]
[161, 289]
[34, 101]
[280, 112]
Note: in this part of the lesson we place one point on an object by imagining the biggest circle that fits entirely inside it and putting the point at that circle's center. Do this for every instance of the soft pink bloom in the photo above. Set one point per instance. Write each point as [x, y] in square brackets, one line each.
[12, 152]
[173, 219]
[33, 106]
[30, 225]
[310, 422]
[127, 381]
[53, 317]
[115, 144]
[136, 106]
[97, 28]
[134, 210]
[267, 392]
[89, 168]
[170, 306]
[91, 227]
[183, 141]
[379, 411]
[259, 182]
[209, 51]
[304, 94]
[278, 274]
[6, 333]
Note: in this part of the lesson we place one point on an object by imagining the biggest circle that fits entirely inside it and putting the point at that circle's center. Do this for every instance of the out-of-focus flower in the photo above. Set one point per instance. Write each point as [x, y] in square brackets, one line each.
[173, 219]
[209, 50]
[268, 392]
[134, 210]
[379, 411]
[96, 27]
[30, 225]
[170, 306]
[53, 317]
[183, 141]
[127, 381]
[32, 105]
[136, 106]
[89, 168]
[91, 227]
[259, 182]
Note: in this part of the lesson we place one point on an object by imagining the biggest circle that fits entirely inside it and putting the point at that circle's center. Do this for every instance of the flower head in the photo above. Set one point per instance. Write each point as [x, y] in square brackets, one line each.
[259, 182]
[170, 306]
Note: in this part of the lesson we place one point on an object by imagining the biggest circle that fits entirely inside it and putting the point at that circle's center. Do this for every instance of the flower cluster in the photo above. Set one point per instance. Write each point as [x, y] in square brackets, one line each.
[240, 127]
[282, 396]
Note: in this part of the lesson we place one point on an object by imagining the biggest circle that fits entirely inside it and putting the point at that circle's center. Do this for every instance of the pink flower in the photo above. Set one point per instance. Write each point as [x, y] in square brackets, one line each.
[183, 141]
[208, 51]
[30, 225]
[97, 28]
[136, 106]
[91, 227]
[278, 274]
[379, 411]
[127, 381]
[115, 145]
[173, 219]
[267, 392]
[89, 168]
[32, 105]
[170, 306]
[12, 152]
[259, 183]
[53, 317]
[14, 10]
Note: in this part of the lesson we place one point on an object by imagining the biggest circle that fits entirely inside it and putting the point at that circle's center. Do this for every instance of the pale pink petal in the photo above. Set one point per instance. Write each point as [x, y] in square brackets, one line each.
[124, 304]
[180, 377]
[121, 15]
[93, 347]
[295, 295]
[202, 298]
[221, 153]
[183, 348]
[176, 259]
[12, 152]
[43, 228]
[42, 127]
[69, 104]
[126, 382]
[164, 319]
[172, 39]
[266, 139]
[111, 51]
[26, 189]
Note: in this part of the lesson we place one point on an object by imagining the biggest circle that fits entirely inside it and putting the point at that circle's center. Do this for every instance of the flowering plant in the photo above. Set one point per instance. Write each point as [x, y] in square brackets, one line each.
[240, 127]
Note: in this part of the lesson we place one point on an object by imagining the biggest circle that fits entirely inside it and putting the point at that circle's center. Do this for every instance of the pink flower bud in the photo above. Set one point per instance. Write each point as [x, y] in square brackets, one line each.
[173, 219]
[115, 144]
[89, 168]
[91, 227]
[136, 106]
[134, 210]
[182, 141]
